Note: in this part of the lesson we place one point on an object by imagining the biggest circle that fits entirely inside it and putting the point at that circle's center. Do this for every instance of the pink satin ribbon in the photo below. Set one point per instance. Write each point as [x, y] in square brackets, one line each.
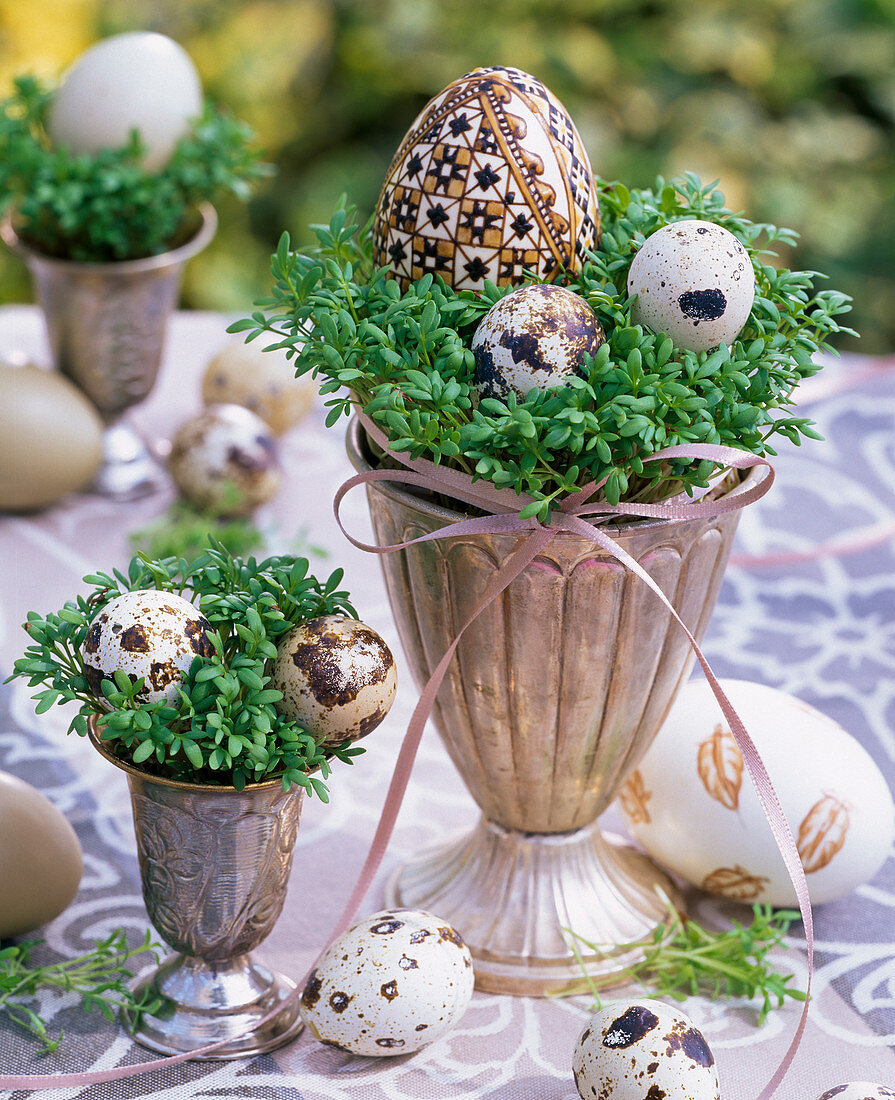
[502, 507]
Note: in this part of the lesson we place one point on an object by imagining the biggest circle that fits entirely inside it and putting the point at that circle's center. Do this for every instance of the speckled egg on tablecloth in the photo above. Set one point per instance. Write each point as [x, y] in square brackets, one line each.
[225, 460]
[643, 1050]
[694, 282]
[491, 179]
[149, 634]
[338, 678]
[534, 338]
[389, 985]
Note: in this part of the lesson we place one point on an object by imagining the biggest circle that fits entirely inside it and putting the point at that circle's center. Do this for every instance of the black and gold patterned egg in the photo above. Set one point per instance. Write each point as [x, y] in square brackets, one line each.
[492, 179]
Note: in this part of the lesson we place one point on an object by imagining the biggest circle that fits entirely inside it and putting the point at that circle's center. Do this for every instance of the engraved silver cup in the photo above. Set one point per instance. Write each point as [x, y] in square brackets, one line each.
[106, 325]
[554, 695]
[215, 864]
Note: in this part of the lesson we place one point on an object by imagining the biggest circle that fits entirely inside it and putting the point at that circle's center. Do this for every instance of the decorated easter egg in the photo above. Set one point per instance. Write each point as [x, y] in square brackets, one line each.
[694, 282]
[149, 634]
[535, 337]
[263, 381]
[692, 806]
[40, 859]
[389, 985]
[492, 179]
[337, 676]
[636, 1049]
[225, 460]
[858, 1090]
[135, 81]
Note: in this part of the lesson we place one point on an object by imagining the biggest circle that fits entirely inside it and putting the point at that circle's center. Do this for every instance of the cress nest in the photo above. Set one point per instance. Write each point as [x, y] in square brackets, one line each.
[405, 358]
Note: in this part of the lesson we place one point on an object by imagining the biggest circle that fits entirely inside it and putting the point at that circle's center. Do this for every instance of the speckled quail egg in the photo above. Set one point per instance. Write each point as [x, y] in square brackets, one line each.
[858, 1090]
[389, 985]
[225, 460]
[149, 634]
[263, 381]
[337, 676]
[694, 282]
[135, 81]
[535, 337]
[636, 1049]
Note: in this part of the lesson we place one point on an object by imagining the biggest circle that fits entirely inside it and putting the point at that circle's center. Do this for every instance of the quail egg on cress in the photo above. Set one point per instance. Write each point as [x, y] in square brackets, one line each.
[149, 634]
[633, 1049]
[534, 338]
[694, 282]
[225, 460]
[337, 676]
[858, 1090]
[135, 81]
[392, 983]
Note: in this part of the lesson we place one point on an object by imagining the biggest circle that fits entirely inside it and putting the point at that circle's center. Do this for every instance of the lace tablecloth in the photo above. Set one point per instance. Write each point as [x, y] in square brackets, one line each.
[822, 629]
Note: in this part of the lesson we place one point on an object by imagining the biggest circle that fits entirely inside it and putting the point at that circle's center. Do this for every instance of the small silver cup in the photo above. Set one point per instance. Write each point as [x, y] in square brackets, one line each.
[106, 325]
[215, 865]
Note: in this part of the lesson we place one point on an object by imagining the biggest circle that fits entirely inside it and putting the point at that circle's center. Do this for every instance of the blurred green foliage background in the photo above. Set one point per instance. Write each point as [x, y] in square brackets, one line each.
[789, 103]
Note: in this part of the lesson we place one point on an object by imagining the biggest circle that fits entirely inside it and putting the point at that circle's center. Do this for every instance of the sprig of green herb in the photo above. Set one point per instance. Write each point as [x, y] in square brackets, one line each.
[184, 532]
[684, 959]
[106, 206]
[405, 358]
[224, 726]
[99, 977]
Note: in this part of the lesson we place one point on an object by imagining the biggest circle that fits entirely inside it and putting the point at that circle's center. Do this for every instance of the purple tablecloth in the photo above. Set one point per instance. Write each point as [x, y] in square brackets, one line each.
[823, 630]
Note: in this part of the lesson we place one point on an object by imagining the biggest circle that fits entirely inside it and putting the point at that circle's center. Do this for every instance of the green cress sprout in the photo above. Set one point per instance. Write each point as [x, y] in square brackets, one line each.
[224, 728]
[406, 360]
[683, 959]
[105, 206]
[100, 978]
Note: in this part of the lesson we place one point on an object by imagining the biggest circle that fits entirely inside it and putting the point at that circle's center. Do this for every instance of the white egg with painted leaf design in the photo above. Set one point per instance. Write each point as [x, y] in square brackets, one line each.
[691, 803]
[391, 984]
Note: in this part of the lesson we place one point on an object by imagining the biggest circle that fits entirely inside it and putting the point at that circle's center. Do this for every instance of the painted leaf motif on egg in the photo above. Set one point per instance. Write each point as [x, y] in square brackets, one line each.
[491, 179]
[822, 833]
[634, 798]
[720, 766]
[735, 882]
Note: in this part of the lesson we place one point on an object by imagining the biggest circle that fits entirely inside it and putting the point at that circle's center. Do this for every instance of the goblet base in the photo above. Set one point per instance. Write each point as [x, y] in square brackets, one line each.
[128, 471]
[211, 1001]
[526, 902]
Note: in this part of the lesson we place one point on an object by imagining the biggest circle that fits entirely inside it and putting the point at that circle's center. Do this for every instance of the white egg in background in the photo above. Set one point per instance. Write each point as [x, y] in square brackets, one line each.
[694, 282]
[535, 337]
[858, 1090]
[263, 381]
[692, 806]
[643, 1050]
[139, 80]
[338, 678]
[392, 983]
[149, 634]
